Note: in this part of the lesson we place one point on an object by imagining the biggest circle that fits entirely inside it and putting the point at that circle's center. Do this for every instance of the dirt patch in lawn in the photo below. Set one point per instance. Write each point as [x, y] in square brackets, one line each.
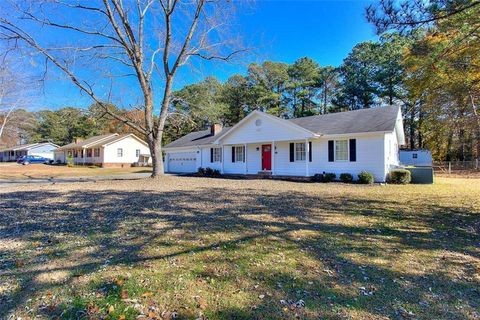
[194, 248]
[42, 171]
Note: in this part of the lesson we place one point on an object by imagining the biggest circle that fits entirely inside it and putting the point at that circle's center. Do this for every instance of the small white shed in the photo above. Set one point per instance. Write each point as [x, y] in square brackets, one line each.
[420, 158]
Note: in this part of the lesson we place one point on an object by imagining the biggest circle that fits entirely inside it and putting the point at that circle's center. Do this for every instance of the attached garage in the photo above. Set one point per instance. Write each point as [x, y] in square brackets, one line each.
[182, 162]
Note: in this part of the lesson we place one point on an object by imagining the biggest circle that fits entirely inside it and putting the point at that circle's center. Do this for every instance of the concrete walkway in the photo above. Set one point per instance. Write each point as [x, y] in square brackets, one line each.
[129, 176]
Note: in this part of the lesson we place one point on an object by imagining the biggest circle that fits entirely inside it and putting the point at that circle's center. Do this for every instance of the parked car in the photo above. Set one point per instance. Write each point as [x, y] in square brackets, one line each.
[32, 159]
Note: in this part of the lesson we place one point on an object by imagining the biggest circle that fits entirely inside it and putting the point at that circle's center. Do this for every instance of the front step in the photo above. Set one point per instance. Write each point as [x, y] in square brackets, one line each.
[265, 173]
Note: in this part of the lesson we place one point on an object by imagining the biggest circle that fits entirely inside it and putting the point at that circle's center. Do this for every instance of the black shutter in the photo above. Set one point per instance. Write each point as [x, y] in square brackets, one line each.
[244, 154]
[331, 156]
[233, 154]
[292, 152]
[353, 150]
[211, 154]
[310, 151]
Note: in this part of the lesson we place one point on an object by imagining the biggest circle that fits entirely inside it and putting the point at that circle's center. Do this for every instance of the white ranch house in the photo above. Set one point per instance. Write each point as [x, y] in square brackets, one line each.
[351, 142]
[109, 150]
[41, 149]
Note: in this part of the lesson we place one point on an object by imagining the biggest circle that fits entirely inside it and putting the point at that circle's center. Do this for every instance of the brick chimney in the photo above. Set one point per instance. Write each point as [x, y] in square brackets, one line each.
[215, 129]
[77, 139]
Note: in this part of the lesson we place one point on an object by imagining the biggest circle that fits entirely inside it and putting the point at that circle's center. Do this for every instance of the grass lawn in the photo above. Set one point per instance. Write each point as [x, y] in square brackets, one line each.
[42, 171]
[199, 248]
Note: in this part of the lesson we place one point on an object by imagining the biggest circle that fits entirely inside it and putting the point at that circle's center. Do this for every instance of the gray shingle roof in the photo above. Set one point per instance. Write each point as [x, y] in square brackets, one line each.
[357, 121]
[26, 146]
[197, 138]
[91, 140]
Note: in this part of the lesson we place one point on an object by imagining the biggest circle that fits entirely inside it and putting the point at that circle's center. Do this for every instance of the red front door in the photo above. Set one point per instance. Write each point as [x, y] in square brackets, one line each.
[266, 157]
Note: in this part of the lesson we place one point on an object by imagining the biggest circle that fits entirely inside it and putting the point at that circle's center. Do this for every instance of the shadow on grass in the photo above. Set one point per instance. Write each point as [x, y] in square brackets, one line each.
[85, 231]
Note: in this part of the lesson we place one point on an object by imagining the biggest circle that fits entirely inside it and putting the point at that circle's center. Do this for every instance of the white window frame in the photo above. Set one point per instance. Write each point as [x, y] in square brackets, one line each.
[137, 153]
[96, 152]
[239, 150]
[119, 152]
[217, 155]
[347, 156]
[300, 155]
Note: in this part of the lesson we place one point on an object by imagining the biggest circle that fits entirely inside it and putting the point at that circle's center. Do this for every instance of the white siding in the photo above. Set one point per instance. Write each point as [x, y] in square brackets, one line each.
[370, 157]
[205, 160]
[129, 146]
[268, 130]
[391, 151]
[43, 150]
[283, 166]
[233, 167]
[423, 157]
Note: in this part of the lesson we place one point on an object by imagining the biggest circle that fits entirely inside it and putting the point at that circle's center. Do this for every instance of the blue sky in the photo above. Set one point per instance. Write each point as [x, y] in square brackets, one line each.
[277, 30]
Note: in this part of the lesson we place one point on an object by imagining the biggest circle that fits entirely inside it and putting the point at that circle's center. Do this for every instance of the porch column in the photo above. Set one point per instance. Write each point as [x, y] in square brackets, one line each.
[245, 155]
[273, 157]
[307, 152]
[222, 159]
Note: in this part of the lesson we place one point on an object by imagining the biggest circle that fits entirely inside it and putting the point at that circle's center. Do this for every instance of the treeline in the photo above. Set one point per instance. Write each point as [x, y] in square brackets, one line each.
[371, 76]
[62, 126]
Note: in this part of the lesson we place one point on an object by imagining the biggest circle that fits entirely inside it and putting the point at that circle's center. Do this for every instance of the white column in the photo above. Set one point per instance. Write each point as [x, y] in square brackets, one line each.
[201, 157]
[245, 155]
[273, 157]
[223, 156]
[307, 152]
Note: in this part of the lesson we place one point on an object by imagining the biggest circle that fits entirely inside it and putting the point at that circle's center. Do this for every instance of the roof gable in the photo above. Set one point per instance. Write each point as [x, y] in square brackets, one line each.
[88, 142]
[114, 139]
[259, 127]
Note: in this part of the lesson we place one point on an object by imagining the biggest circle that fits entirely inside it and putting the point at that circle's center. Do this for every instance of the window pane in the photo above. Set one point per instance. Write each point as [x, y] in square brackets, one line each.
[300, 151]
[239, 154]
[217, 154]
[341, 150]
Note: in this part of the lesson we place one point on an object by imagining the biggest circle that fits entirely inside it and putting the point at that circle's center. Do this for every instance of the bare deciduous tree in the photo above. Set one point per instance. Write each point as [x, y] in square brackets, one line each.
[14, 94]
[149, 40]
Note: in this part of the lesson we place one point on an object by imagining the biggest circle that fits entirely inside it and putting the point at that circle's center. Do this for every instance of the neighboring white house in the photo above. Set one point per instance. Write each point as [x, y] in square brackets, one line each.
[420, 158]
[43, 149]
[109, 150]
[350, 142]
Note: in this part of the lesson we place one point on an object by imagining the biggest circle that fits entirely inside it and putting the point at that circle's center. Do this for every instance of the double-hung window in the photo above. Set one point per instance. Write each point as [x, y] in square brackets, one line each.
[341, 150]
[240, 154]
[96, 152]
[137, 153]
[300, 151]
[119, 152]
[216, 154]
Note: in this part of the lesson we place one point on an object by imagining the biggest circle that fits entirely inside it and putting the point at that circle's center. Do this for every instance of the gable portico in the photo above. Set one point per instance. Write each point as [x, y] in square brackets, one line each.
[254, 144]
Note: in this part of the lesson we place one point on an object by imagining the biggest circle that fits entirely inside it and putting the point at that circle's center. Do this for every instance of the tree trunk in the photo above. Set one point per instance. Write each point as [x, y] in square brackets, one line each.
[157, 161]
[477, 127]
[412, 128]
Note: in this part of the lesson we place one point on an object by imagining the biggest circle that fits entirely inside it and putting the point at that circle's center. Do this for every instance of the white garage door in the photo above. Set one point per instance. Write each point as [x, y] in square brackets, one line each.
[182, 162]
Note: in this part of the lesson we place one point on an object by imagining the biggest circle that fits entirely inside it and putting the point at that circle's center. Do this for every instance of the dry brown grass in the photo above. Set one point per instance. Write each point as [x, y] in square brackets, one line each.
[42, 171]
[240, 249]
